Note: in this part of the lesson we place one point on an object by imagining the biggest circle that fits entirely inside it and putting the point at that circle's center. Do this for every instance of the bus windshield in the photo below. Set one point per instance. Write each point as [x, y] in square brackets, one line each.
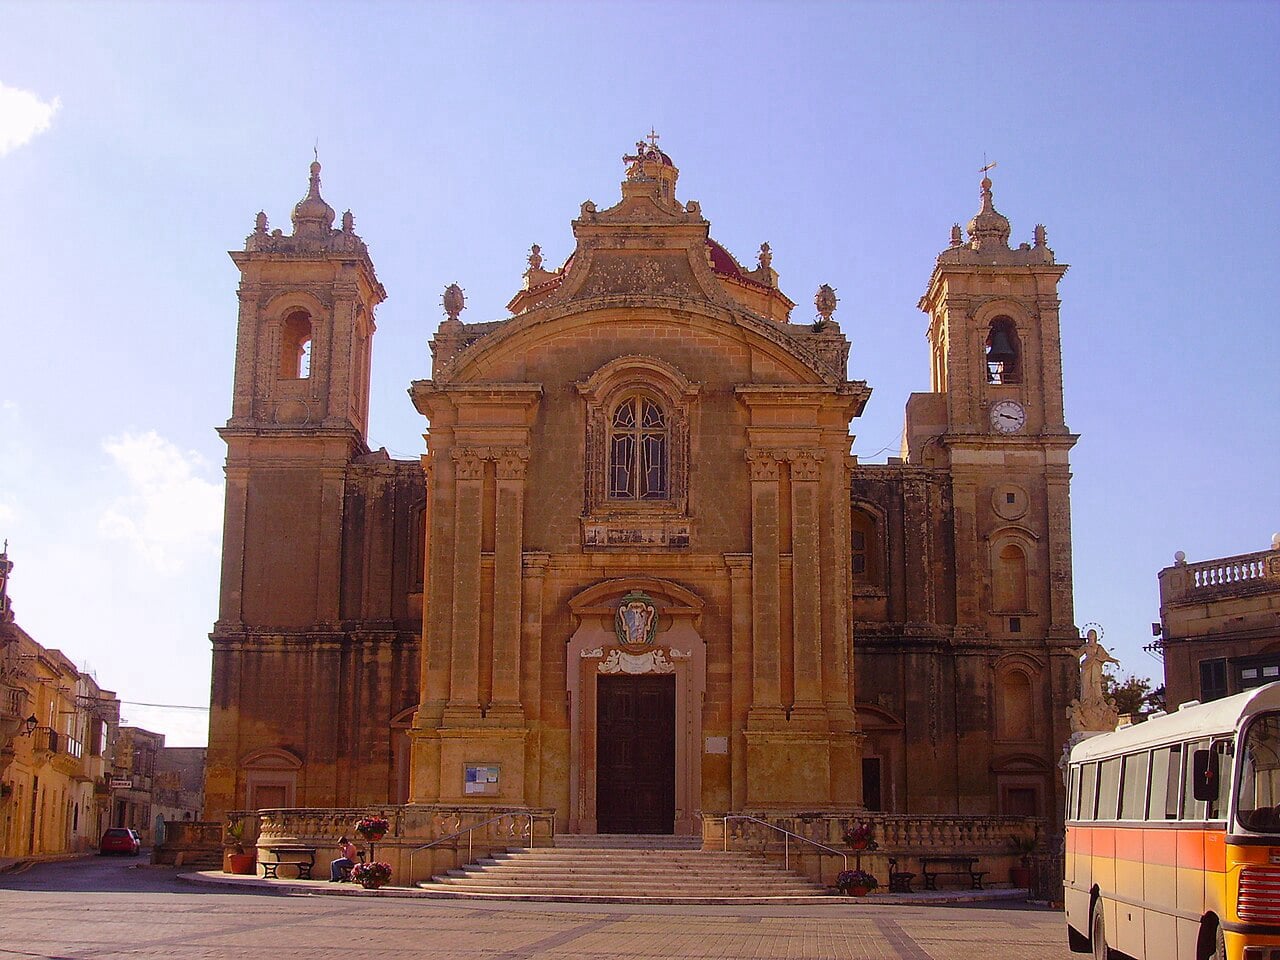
[1258, 805]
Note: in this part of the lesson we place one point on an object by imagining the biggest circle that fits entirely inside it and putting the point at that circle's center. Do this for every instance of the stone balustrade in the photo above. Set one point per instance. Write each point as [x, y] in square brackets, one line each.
[1185, 581]
[410, 828]
[993, 839]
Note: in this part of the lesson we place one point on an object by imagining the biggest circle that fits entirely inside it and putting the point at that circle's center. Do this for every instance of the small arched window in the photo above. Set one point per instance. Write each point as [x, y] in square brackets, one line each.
[638, 450]
[864, 548]
[1004, 352]
[295, 346]
[1011, 579]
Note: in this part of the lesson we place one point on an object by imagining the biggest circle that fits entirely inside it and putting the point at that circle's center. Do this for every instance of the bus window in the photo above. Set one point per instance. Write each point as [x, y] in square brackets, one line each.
[1073, 791]
[1109, 789]
[1087, 808]
[1173, 787]
[1133, 798]
[1192, 809]
[1259, 804]
[1156, 796]
[1224, 751]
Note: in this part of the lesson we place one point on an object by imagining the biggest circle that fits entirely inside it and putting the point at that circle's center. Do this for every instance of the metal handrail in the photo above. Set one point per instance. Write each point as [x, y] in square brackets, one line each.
[533, 818]
[786, 839]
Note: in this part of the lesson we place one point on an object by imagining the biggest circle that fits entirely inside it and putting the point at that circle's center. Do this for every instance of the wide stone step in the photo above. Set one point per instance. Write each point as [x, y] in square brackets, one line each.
[620, 870]
[623, 841]
[579, 871]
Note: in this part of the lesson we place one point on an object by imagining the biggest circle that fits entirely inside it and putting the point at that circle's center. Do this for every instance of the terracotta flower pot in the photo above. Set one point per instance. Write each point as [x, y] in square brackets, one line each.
[1020, 876]
[371, 884]
[241, 863]
[856, 891]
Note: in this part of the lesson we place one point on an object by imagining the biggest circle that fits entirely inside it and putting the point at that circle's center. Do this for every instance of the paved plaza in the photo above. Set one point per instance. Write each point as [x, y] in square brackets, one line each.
[96, 909]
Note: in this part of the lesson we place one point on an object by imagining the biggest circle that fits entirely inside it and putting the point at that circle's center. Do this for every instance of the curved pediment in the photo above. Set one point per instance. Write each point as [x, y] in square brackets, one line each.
[796, 353]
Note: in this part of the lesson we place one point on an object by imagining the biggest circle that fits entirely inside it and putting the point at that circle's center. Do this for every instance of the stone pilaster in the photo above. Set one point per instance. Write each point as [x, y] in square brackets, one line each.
[766, 692]
[464, 676]
[333, 480]
[740, 690]
[806, 582]
[507, 562]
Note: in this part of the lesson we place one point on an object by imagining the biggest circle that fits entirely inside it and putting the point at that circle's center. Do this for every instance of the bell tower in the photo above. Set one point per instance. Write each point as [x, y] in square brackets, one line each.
[995, 416]
[299, 414]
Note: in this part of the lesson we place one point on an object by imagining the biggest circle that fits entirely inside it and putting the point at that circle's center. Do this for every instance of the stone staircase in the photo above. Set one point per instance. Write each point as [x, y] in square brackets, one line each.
[617, 868]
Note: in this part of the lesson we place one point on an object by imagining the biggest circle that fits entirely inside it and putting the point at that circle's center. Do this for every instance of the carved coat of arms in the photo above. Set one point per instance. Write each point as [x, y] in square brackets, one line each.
[636, 621]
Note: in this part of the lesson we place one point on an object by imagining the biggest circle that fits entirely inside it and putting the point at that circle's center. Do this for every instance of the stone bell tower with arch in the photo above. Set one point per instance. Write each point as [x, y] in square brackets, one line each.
[317, 557]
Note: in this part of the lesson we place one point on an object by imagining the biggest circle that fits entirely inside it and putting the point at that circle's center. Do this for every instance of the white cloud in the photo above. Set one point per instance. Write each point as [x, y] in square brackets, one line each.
[22, 116]
[170, 513]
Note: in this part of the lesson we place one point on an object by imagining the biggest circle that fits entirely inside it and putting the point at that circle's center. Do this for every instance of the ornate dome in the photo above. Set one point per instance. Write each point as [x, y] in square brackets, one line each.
[312, 215]
[988, 227]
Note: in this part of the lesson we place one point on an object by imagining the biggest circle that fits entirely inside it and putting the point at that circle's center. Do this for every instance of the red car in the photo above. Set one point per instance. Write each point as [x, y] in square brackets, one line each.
[120, 840]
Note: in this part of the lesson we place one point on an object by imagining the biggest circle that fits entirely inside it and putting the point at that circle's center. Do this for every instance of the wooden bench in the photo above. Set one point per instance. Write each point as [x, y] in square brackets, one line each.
[269, 867]
[953, 865]
[899, 880]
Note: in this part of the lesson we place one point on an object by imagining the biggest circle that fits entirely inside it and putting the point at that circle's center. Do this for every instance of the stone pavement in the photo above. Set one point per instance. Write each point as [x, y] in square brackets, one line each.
[99, 909]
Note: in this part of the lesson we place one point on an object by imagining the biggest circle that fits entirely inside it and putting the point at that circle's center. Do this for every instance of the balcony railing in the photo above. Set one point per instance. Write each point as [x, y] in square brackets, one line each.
[1248, 572]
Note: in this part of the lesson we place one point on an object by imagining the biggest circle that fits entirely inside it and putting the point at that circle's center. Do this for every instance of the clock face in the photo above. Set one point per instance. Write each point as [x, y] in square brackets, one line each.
[1007, 416]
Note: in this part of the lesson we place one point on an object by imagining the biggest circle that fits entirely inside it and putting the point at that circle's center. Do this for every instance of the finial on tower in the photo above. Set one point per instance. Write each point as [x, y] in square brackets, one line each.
[766, 257]
[454, 301]
[825, 300]
[535, 257]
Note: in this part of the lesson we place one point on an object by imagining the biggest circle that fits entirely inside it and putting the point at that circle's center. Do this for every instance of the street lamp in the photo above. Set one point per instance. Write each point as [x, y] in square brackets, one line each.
[29, 725]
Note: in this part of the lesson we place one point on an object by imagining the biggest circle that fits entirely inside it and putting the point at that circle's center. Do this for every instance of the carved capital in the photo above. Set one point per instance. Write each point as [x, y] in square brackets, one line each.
[512, 462]
[468, 463]
[805, 464]
[764, 464]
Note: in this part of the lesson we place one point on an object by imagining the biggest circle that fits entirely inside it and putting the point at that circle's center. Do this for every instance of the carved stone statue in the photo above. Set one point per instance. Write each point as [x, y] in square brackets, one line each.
[1093, 710]
[1095, 657]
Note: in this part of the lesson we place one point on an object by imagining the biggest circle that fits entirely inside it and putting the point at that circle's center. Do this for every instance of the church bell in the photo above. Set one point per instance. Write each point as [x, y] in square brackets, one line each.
[1000, 349]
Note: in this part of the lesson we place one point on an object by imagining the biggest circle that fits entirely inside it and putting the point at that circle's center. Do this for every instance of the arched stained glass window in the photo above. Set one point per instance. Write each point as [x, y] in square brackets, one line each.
[638, 450]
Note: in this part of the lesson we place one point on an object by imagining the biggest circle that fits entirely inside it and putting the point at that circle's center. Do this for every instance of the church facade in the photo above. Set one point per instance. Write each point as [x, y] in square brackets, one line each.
[636, 576]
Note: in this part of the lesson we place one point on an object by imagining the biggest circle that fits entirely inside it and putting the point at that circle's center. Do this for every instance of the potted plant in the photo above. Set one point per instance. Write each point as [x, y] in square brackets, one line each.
[1023, 846]
[371, 875]
[856, 883]
[861, 836]
[238, 861]
[372, 828]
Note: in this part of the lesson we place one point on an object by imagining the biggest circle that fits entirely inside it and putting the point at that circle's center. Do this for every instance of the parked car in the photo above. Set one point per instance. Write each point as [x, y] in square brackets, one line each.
[120, 840]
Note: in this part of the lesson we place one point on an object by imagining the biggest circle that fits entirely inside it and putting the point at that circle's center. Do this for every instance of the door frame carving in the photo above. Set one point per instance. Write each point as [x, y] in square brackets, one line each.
[677, 648]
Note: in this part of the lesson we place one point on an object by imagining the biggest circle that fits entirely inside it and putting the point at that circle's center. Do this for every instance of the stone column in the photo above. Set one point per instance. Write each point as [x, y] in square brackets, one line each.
[806, 581]
[464, 663]
[766, 691]
[507, 542]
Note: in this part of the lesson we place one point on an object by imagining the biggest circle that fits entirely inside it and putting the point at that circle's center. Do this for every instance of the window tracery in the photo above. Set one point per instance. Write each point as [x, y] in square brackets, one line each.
[638, 446]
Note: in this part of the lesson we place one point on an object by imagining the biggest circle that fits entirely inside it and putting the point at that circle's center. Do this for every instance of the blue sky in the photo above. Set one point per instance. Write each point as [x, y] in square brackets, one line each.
[138, 141]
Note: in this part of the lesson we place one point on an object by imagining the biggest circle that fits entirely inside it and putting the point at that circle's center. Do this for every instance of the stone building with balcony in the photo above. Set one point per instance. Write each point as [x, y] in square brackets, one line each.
[636, 579]
[1220, 625]
[56, 734]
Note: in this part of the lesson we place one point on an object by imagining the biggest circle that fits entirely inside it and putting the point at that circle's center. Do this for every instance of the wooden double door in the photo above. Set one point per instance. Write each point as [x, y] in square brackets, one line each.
[636, 754]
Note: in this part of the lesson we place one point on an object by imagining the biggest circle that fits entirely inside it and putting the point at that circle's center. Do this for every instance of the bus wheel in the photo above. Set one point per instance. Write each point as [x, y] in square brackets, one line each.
[1098, 935]
[1220, 947]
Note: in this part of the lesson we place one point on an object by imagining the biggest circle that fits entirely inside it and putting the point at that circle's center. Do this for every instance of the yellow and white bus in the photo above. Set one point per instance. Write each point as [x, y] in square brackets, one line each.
[1173, 834]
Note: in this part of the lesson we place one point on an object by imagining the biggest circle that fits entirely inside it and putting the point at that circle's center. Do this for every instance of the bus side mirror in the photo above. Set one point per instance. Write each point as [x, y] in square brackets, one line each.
[1204, 770]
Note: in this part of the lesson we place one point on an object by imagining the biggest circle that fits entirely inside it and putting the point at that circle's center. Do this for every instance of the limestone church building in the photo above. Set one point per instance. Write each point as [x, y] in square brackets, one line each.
[636, 577]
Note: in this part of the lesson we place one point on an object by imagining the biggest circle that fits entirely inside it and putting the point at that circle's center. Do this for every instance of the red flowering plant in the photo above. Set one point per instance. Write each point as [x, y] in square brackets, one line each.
[373, 874]
[848, 880]
[861, 836]
[372, 828]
